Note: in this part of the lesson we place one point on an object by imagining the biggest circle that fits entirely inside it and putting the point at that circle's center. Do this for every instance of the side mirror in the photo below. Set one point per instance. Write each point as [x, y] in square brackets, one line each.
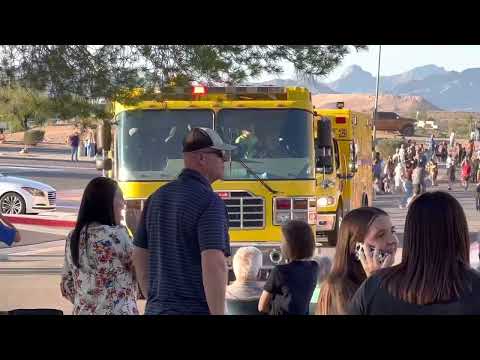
[104, 164]
[104, 136]
[324, 133]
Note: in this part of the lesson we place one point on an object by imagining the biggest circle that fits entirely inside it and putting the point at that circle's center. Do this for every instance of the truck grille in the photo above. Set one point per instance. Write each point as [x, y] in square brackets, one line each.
[52, 197]
[245, 211]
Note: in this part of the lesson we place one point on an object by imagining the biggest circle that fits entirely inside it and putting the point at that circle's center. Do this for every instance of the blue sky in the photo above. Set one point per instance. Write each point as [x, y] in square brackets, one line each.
[400, 58]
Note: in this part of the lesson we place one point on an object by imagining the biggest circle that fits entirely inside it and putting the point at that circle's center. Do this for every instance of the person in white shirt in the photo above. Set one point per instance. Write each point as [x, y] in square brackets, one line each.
[452, 138]
[450, 166]
[401, 153]
[396, 156]
[398, 177]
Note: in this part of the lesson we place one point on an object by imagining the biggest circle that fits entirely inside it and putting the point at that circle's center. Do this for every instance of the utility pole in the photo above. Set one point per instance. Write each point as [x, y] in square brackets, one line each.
[376, 96]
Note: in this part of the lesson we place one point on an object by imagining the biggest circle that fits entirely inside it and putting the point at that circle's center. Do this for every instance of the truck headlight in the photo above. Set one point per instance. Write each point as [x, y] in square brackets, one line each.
[282, 217]
[325, 201]
[33, 191]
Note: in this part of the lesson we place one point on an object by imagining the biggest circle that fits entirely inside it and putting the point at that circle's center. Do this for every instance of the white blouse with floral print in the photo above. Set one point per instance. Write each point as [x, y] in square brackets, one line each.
[105, 283]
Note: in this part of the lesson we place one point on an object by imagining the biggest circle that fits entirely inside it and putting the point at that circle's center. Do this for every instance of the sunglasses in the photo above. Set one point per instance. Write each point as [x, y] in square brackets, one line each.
[221, 154]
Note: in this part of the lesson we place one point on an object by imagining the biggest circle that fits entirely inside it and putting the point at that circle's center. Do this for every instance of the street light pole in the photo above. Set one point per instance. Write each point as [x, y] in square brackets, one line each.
[376, 95]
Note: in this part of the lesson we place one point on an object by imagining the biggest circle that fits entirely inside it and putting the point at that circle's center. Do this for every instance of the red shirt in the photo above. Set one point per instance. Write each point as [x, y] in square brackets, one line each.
[466, 169]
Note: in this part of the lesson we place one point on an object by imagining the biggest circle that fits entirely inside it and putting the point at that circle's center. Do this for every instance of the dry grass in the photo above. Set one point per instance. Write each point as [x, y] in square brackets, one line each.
[53, 134]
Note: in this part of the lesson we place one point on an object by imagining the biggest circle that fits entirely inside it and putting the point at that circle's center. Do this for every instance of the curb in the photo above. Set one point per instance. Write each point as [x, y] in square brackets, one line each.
[43, 158]
[41, 222]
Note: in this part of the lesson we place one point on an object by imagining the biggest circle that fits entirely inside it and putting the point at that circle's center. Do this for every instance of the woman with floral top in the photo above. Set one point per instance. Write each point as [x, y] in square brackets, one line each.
[98, 276]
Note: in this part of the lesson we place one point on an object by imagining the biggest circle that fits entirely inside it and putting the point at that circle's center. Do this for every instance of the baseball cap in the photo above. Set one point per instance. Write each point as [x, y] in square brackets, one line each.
[202, 138]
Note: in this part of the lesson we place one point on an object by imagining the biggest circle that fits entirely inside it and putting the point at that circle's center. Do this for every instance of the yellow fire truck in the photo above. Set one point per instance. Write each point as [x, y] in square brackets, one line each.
[271, 177]
[351, 183]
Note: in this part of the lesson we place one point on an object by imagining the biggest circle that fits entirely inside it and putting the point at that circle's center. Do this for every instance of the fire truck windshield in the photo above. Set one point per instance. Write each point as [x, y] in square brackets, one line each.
[150, 141]
[274, 143]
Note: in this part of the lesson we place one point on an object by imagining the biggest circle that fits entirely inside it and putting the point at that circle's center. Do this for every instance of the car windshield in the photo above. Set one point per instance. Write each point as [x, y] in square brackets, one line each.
[273, 143]
[150, 141]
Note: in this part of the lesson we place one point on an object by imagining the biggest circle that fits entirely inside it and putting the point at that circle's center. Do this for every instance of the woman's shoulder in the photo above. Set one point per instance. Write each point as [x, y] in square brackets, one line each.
[102, 231]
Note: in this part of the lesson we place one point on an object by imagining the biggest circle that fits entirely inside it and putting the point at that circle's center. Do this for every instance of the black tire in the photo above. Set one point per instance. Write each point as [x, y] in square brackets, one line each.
[408, 130]
[333, 235]
[12, 203]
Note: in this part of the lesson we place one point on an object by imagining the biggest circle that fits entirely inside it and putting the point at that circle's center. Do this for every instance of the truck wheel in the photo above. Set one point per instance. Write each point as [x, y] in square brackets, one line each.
[333, 235]
[408, 130]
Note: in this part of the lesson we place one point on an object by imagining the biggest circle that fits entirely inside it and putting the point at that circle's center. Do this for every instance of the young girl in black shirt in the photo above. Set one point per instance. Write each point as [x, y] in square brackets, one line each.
[290, 286]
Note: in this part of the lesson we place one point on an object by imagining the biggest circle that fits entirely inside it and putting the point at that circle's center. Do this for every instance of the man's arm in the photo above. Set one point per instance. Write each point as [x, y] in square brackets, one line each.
[140, 254]
[140, 262]
[215, 277]
[9, 224]
[264, 302]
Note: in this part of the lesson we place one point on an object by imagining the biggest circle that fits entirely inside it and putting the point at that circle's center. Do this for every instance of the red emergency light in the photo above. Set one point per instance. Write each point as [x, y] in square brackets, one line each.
[283, 204]
[199, 90]
[223, 194]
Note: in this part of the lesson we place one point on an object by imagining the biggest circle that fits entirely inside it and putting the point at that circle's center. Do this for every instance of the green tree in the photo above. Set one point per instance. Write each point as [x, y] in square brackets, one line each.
[20, 105]
[111, 71]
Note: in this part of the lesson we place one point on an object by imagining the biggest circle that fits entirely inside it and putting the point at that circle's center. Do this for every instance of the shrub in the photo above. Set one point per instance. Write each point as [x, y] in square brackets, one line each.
[33, 137]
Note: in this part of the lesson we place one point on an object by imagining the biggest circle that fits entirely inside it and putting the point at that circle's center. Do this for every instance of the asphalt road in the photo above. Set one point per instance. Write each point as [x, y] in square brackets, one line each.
[62, 175]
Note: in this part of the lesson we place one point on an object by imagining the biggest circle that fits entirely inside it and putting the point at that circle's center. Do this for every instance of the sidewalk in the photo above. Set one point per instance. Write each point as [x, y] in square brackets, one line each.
[34, 152]
[43, 156]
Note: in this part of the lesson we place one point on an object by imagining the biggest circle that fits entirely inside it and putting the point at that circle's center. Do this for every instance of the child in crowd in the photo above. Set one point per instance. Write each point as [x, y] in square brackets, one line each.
[290, 286]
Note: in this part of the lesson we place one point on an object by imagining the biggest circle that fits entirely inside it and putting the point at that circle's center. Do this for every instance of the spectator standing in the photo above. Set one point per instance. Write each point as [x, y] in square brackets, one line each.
[290, 286]
[362, 230]
[452, 139]
[401, 153]
[475, 168]
[98, 276]
[407, 185]
[433, 170]
[243, 294]
[434, 276]
[182, 241]
[93, 143]
[466, 172]
[398, 177]
[450, 166]
[74, 142]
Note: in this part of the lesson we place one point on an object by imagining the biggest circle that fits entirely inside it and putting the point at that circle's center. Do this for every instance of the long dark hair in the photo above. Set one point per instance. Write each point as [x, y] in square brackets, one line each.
[300, 240]
[347, 272]
[435, 253]
[96, 206]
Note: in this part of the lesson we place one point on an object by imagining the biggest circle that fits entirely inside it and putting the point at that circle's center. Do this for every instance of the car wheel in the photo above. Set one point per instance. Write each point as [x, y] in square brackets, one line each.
[12, 203]
[408, 130]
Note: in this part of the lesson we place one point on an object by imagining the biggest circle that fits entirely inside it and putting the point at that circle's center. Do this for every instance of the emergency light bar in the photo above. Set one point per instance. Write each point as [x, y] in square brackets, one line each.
[233, 92]
[199, 90]
[202, 90]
